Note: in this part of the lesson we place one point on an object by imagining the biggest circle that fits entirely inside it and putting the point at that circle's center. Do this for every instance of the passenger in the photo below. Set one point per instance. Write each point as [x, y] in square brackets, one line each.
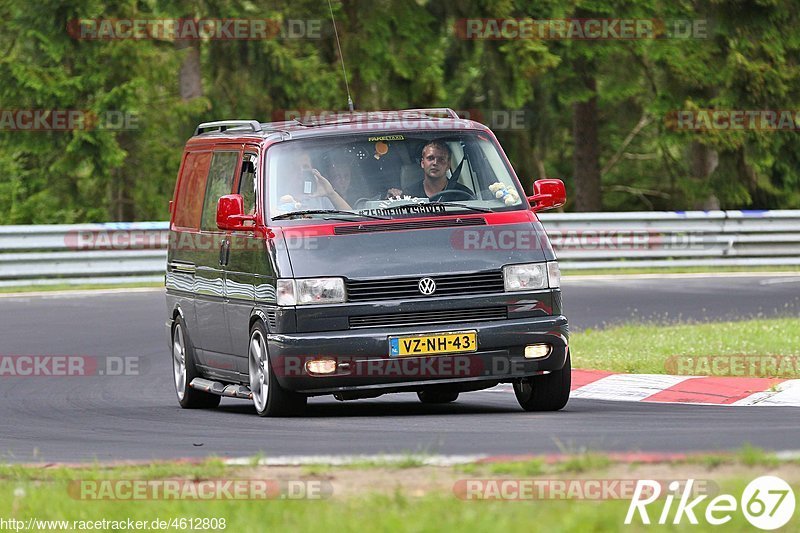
[322, 195]
[435, 163]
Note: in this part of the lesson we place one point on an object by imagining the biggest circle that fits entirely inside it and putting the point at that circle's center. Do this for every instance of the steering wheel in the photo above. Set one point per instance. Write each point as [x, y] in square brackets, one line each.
[457, 194]
[360, 203]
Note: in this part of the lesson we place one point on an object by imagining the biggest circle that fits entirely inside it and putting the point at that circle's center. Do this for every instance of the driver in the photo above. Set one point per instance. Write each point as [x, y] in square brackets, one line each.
[435, 163]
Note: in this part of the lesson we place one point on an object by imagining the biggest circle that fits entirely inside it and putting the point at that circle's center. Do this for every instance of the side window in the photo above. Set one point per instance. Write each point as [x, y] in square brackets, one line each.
[189, 202]
[220, 182]
[247, 183]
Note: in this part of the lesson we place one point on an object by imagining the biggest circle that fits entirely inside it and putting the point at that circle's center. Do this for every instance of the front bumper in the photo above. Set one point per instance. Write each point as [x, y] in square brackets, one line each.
[363, 362]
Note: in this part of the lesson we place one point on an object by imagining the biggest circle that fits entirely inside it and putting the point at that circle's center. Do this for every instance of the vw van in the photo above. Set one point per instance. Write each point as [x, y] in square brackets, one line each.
[356, 255]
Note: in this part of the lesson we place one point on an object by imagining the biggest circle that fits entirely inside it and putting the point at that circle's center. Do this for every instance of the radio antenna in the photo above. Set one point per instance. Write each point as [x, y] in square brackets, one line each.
[341, 57]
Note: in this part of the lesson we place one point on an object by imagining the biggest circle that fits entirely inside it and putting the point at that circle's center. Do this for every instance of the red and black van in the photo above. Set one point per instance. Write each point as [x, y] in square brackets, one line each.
[360, 254]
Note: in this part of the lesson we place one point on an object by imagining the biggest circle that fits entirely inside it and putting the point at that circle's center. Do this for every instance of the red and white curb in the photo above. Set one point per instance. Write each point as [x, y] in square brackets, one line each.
[657, 388]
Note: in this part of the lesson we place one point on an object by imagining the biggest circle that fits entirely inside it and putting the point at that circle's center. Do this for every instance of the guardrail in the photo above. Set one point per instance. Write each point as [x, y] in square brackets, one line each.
[675, 239]
[83, 253]
[136, 252]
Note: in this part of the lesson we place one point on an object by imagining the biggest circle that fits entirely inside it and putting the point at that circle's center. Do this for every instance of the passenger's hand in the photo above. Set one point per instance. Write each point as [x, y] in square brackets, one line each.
[324, 187]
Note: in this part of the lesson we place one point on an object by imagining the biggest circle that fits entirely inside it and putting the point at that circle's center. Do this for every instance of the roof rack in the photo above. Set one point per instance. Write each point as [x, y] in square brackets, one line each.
[222, 125]
[436, 111]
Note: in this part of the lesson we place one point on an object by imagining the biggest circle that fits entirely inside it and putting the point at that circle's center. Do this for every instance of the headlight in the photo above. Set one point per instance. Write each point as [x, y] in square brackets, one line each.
[310, 291]
[531, 276]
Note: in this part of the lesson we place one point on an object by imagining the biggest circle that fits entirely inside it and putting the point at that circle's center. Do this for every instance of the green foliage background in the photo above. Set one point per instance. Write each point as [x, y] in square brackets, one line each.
[404, 53]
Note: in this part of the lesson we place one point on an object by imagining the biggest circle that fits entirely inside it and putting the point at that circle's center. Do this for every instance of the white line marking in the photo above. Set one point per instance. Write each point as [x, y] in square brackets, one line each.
[788, 455]
[503, 387]
[776, 281]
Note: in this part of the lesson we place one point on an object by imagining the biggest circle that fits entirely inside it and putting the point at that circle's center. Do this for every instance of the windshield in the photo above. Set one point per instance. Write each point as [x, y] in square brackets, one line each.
[388, 175]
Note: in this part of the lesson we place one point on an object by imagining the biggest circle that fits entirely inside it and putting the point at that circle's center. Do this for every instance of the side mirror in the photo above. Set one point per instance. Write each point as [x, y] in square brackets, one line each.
[547, 194]
[230, 213]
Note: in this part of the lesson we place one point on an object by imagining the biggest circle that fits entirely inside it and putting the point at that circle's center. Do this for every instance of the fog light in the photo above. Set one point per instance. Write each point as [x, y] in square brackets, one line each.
[537, 351]
[321, 366]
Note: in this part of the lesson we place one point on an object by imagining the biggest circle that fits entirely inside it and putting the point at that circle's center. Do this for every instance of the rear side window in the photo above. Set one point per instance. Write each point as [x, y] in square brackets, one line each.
[220, 183]
[190, 190]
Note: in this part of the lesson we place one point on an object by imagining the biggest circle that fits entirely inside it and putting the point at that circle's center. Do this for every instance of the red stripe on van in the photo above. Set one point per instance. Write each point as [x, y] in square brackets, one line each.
[327, 228]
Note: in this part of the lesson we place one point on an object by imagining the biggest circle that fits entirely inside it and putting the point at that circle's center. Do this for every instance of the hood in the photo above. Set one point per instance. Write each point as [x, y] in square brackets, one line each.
[386, 252]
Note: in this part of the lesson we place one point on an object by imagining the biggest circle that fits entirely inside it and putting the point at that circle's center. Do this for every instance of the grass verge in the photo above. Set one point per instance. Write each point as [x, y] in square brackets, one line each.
[82, 287]
[405, 499]
[654, 349]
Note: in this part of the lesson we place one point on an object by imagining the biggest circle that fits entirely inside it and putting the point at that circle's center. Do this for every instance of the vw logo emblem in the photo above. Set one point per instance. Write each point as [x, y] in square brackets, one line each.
[426, 286]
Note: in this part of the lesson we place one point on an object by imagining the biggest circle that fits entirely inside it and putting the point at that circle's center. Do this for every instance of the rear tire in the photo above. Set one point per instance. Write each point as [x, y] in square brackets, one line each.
[548, 392]
[427, 396]
[184, 371]
[269, 398]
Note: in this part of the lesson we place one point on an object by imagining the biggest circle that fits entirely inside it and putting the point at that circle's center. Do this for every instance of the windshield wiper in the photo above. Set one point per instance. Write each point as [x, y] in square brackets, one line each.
[465, 206]
[292, 214]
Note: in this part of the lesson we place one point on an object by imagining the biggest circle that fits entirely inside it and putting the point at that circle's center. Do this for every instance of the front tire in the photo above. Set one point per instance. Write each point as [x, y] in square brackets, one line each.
[184, 371]
[549, 392]
[269, 398]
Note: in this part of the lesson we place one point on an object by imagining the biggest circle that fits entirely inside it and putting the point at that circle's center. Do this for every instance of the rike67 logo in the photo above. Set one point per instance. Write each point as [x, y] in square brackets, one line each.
[767, 503]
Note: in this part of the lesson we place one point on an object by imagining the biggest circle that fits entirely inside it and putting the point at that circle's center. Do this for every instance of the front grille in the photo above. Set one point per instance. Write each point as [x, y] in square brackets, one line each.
[415, 224]
[446, 285]
[421, 318]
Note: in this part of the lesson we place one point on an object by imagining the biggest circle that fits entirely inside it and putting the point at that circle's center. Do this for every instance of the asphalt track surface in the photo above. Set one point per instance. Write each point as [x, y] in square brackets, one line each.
[137, 417]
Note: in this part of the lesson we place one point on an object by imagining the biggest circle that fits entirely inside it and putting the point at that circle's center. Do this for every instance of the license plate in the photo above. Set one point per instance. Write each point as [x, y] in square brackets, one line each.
[437, 343]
